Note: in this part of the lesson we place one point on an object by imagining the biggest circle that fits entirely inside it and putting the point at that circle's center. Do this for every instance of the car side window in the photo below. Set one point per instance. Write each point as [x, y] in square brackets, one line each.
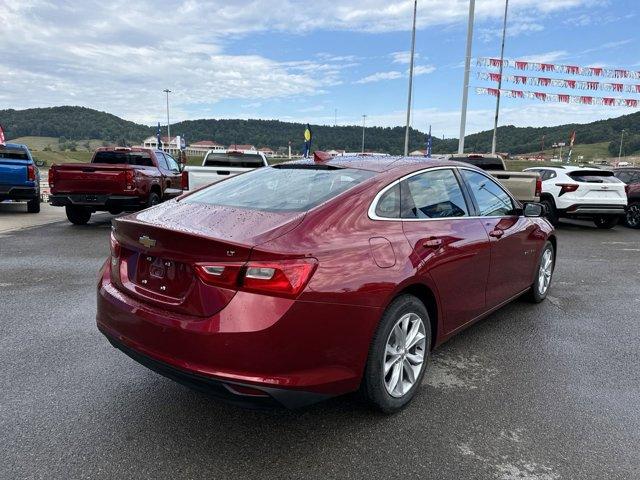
[173, 165]
[162, 161]
[492, 200]
[388, 205]
[432, 194]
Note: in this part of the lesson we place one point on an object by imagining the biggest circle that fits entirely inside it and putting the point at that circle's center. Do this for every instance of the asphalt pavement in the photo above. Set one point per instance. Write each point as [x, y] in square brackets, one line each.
[535, 392]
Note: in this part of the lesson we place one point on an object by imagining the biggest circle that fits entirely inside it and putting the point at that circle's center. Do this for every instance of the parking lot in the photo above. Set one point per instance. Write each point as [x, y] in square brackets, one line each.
[539, 392]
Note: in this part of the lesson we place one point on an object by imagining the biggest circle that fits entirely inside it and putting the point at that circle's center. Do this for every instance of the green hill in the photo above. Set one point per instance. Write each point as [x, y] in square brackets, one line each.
[76, 124]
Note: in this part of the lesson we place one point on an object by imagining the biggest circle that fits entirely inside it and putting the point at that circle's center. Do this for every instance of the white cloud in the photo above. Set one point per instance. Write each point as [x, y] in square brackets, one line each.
[403, 58]
[545, 57]
[423, 69]
[380, 76]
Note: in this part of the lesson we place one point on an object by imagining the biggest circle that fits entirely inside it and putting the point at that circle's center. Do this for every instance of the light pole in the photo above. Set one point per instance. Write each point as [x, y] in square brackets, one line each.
[364, 121]
[621, 139]
[495, 123]
[467, 69]
[167, 91]
[413, 51]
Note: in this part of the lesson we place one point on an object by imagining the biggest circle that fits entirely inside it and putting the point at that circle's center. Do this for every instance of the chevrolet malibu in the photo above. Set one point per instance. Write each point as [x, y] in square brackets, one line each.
[306, 280]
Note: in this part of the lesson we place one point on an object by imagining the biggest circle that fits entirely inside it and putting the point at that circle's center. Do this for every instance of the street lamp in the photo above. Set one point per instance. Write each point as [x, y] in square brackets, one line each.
[364, 120]
[167, 91]
[621, 139]
[495, 123]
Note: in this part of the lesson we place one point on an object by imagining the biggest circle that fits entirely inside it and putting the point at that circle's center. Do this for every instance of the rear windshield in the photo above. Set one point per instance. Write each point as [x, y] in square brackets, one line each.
[237, 160]
[279, 189]
[485, 163]
[142, 159]
[14, 153]
[594, 176]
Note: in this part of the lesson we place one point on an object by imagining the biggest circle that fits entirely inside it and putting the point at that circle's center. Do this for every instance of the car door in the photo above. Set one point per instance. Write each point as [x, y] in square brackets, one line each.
[174, 173]
[449, 246]
[512, 237]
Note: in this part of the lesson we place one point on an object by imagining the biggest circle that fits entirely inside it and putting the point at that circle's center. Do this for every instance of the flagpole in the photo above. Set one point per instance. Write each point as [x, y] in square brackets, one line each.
[467, 69]
[413, 51]
[495, 123]
[167, 91]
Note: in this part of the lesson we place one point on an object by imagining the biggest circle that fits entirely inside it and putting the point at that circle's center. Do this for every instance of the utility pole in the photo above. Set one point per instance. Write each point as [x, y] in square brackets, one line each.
[495, 123]
[621, 139]
[364, 121]
[467, 69]
[413, 51]
[167, 91]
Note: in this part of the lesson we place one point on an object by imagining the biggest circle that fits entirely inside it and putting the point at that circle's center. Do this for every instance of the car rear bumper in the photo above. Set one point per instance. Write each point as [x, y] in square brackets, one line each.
[595, 209]
[296, 352]
[98, 202]
[8, 192]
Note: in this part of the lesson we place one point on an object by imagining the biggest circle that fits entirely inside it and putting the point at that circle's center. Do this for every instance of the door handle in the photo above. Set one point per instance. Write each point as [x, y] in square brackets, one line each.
[497, 233]
[433, 243]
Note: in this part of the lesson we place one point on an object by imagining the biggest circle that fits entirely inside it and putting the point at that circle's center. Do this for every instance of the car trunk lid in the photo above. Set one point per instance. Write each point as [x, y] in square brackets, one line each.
[598, 185]
[159, 249]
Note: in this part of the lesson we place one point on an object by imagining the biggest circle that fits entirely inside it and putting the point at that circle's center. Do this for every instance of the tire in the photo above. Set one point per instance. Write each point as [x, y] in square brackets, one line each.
[154, 199]
[632, 217]
[78, 215]
[606, 222]
[377, 386]
[33, 205]
[550, 211]
[115, 211]
[542, 282]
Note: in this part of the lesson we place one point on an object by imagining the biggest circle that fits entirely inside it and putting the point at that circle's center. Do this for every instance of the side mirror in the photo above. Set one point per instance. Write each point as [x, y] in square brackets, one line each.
[533, 210]
[40, 163]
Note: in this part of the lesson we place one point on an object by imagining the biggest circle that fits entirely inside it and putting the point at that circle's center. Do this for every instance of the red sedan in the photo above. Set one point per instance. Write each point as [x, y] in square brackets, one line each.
[306, 280]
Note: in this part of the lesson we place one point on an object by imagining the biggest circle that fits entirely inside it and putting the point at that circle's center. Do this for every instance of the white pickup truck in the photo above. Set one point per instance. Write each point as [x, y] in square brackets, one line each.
[525, 186]
[218, 166]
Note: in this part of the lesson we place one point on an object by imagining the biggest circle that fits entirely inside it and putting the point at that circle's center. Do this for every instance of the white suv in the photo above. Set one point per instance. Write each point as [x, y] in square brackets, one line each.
[578, 192]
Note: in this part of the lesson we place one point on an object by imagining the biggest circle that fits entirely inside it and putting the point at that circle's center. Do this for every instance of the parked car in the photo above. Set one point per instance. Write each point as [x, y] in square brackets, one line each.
[218, 166]
[525, 186]
[117, 180]
[631, 177]
[582, 192]
[305, 280]
[19, 176]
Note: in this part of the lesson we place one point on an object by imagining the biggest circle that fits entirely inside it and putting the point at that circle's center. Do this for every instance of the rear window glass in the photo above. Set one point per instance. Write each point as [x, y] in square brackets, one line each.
[234, 160]
[281, 189]
[14, 153]
[594, 176]
[485, 163]
[142, 159]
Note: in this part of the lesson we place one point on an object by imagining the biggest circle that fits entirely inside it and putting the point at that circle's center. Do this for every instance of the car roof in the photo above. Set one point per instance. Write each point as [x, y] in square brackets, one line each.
[381, 163]
[16, 145]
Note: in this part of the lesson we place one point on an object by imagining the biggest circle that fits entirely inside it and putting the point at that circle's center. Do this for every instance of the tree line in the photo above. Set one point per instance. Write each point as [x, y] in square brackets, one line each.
[80, 123]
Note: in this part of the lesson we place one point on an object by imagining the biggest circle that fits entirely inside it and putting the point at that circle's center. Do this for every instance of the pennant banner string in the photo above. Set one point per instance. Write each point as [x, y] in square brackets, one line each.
[560, 82]
[559, 98]
[552, 67]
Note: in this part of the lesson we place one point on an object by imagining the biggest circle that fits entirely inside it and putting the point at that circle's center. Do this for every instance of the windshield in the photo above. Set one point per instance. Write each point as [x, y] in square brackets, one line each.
[13, 153]
[281, 189]
[124, 158]
[236, 160]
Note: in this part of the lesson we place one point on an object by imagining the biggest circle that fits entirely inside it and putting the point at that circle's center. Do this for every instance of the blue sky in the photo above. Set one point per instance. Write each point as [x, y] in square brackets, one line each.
[293, 60]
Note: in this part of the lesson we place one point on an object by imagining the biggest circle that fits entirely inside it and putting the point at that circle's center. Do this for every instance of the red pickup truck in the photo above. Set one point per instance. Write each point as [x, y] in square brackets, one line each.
[117, 180]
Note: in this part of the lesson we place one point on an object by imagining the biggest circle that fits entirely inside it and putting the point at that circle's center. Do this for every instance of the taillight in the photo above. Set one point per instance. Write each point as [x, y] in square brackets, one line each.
[184, 180]
[220, 275]
[52, 177]
[566, 188]
[285, 278]
[130, 179]
[31, 173]
[538, 187]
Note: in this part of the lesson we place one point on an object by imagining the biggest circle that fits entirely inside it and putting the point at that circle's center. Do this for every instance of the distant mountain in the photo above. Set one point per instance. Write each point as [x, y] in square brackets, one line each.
[78, 123]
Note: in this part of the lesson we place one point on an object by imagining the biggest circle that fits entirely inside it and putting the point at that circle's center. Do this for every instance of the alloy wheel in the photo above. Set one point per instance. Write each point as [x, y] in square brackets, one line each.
[633, 215]
[404, 355]
[545, 272]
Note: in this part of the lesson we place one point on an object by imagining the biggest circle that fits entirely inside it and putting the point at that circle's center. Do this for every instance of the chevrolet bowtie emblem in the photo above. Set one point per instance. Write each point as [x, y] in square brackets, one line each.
[147, 241]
